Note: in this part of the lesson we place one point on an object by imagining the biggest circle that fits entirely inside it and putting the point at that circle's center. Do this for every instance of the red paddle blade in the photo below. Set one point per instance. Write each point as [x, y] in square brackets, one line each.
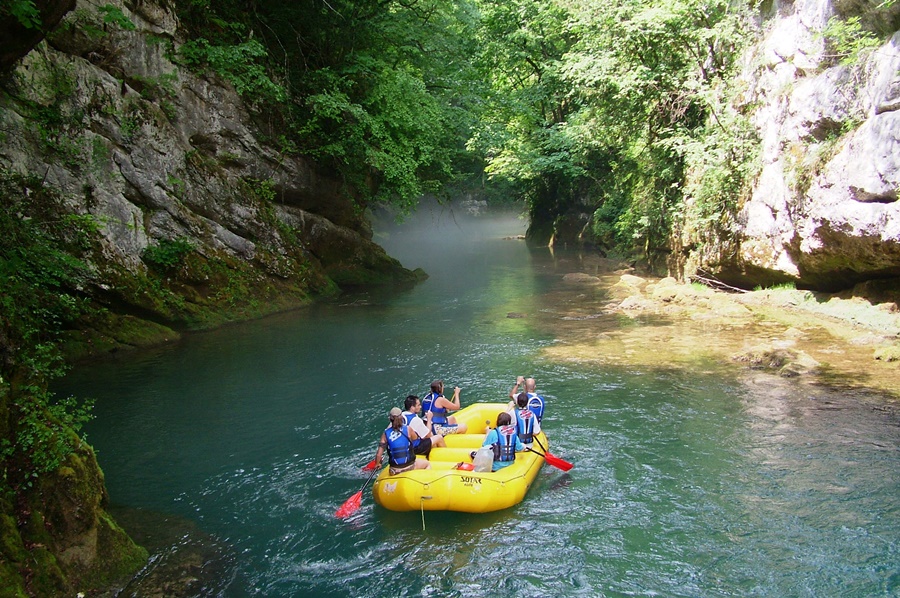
[557, 462]
[370, 465]
[350, 506]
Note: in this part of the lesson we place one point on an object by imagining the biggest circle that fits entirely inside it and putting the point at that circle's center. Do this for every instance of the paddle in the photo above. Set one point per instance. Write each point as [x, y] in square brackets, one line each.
[351, 505]
[370, 465]
[552, 459]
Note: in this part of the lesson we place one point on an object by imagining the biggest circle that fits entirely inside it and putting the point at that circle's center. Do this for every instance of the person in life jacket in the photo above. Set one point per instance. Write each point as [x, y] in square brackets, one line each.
[535, 401]
[527, 424]
[505, 442]
[427, 440]
[398, 440]
[439, 406]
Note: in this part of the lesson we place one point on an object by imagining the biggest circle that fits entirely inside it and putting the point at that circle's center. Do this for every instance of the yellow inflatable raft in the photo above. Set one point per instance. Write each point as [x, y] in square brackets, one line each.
[445, 488]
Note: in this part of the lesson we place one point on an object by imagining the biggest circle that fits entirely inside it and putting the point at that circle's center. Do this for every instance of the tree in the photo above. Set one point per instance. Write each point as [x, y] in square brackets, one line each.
[596, 102]
[377, 91]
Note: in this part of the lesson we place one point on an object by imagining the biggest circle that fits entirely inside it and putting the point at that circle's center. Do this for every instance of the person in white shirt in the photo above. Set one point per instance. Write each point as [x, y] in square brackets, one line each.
[535, 401]
[527, 424]
[427, 440]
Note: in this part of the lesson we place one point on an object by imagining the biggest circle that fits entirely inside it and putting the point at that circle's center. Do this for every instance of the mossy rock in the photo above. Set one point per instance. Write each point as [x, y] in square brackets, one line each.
[888, 354]
[81, 547]
[787, 363]
[13, 555]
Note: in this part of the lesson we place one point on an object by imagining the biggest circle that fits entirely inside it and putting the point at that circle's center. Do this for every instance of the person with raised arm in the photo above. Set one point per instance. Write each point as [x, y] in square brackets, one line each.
[439, 406]
[527, 424]
[535, 401]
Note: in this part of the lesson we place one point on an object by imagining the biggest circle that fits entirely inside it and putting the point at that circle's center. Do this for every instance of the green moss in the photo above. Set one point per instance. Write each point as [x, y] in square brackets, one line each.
[10, 541]
[119, 557]
[888, 354]
[106, 332]
[11, 581]
[41, 570]
[78, 544]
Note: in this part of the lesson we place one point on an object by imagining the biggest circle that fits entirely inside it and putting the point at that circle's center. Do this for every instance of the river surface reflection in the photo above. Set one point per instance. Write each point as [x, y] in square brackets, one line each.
[236, 446]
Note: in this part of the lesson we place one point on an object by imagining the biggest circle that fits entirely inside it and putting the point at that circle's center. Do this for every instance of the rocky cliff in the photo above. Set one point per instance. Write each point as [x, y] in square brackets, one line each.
[187, 209]
[203, 211]
[823, 212]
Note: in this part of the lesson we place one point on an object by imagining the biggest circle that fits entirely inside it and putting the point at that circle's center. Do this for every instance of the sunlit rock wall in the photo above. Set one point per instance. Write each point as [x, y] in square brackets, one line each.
[156, 152]
[823, 212]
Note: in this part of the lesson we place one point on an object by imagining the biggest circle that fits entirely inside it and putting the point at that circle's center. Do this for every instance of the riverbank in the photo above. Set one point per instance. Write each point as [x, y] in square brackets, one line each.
[615, 317]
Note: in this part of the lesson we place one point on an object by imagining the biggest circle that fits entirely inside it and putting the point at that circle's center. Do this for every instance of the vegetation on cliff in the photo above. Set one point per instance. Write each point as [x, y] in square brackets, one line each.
[56, 536]
[617, 122]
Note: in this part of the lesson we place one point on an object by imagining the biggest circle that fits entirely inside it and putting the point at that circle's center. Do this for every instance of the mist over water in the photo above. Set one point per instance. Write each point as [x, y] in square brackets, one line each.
[243, 441]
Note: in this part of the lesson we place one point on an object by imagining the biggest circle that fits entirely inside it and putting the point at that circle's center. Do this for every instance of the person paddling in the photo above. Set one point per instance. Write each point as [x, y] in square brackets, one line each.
[535, 401]
[398, 439]
[505, 442]
[527, 424]
[439, 406]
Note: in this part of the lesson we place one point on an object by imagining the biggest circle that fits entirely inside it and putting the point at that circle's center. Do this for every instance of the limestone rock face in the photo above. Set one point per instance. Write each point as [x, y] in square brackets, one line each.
[155, 157]
[156, 153]
[823, 211]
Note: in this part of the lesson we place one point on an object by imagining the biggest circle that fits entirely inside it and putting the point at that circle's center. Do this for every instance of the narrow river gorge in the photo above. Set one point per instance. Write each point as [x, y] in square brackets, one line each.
[228, 452]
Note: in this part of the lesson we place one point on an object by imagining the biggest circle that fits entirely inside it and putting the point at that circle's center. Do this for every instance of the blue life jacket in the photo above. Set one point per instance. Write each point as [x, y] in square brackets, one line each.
[536, 405]
[409, 417]
[439, 414]
[525, 425]
[506, 444]
[400, 448]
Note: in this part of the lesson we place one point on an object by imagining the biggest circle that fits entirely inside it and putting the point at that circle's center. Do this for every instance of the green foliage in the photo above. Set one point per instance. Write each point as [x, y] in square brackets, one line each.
[58, 124]
[113, 15]
[167, 255]
[877, 17]
[130, 121]
[24, 11]
[264, 189]
[721, 162]
[96, 24]
[847, 40]
[786, 286]
[45, 434]
[243, 65]
[41, 274]
[100, 153]
[40, 270]
[614, 105]
[156, 89]
[382, 93]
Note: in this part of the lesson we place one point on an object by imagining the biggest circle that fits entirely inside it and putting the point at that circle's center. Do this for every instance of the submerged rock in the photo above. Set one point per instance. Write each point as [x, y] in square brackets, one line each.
[580, 278]
[785, 361]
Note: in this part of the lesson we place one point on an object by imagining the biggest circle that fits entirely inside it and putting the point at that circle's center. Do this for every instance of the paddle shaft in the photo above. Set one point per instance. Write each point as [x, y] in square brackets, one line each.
[369, 479]
[552, 459]
[541, 444]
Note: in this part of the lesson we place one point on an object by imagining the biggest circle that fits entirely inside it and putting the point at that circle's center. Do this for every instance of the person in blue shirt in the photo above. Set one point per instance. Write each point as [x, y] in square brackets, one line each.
[505, 441]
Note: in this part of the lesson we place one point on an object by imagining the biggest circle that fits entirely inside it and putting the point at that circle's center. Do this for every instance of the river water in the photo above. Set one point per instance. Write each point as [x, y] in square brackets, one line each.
[228, 452]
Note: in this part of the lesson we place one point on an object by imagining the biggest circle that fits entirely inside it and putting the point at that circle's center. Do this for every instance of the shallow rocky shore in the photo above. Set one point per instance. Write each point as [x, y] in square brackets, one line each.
[617, 317]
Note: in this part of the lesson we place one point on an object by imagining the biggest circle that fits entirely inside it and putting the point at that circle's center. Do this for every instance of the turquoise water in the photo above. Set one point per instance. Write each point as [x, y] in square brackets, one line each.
[246, 439]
